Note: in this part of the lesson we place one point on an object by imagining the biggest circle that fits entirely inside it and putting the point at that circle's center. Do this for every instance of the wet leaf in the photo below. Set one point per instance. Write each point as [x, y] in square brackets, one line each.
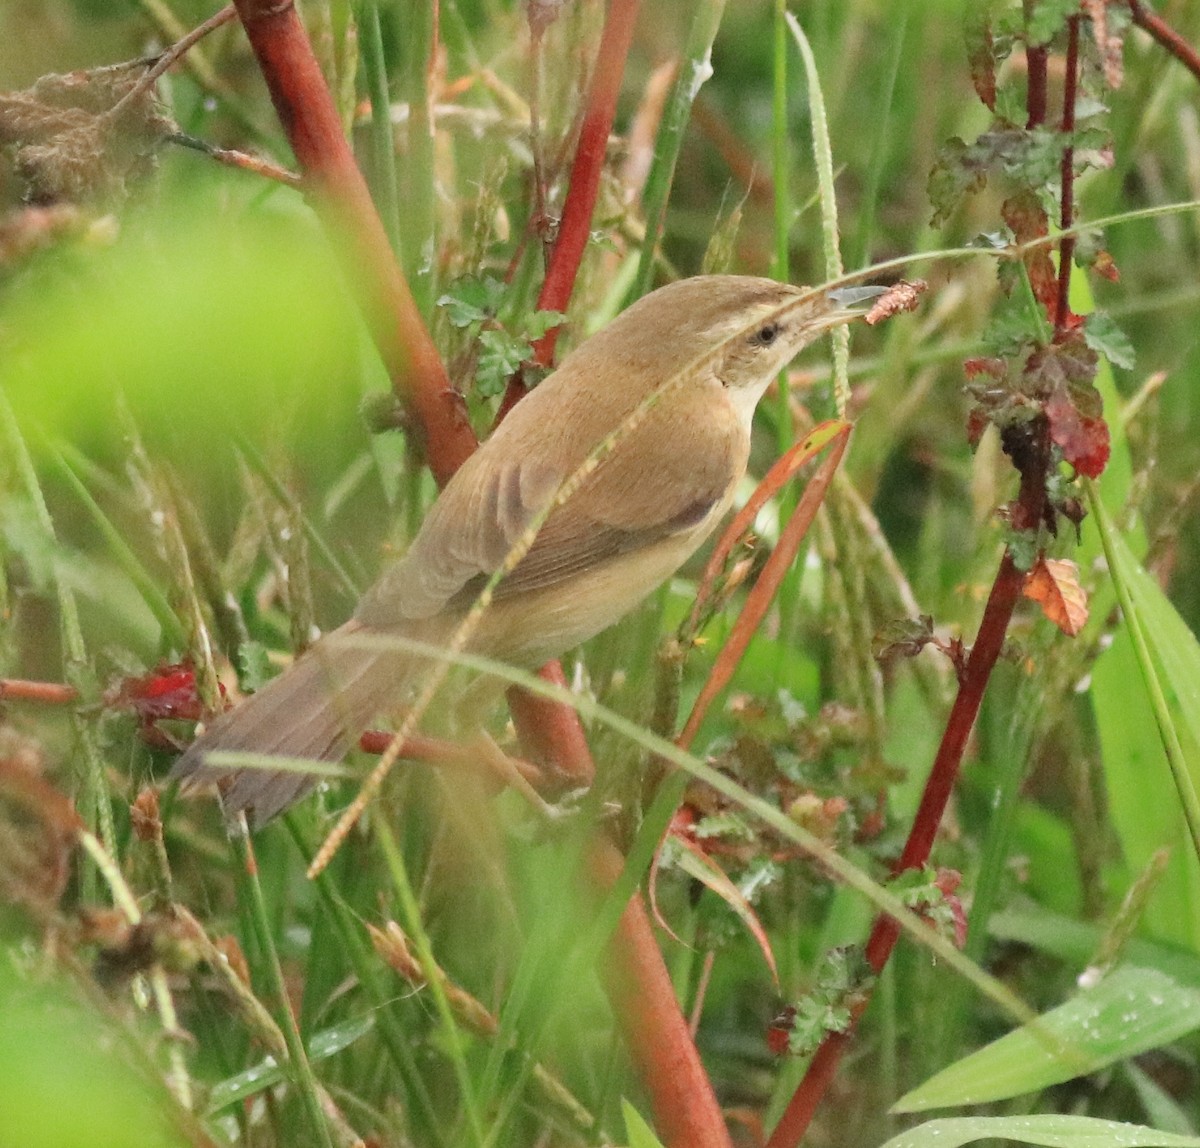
[1130, 1011]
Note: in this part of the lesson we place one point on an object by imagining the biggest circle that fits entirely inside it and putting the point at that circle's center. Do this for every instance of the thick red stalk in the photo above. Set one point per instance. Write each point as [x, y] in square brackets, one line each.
[550, 731]
[1036, 58]
[686, 1113]
[684, 1104]
[639, 987]
[338, 192]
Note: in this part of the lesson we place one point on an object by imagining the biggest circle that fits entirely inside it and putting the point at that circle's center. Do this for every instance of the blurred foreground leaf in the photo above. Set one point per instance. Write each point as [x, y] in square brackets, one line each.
[65, 1080]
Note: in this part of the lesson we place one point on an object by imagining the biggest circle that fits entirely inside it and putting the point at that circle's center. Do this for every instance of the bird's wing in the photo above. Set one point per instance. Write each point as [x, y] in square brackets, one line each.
[646, 490]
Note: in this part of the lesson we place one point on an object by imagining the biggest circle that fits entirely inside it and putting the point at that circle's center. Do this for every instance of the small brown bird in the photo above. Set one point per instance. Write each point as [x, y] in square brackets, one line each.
[695, 357]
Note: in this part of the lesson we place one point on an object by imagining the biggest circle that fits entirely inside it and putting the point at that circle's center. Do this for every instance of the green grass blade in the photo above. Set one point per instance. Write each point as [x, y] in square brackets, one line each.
[384, 182]
[300, 1069]
[146, 585]
[640, 1134]
[267, 1073]
[73, 647]
[1048, 1131]
[413, 924]
[823, 158]
[1125, 1014]
[693, 72]
[1168, 656]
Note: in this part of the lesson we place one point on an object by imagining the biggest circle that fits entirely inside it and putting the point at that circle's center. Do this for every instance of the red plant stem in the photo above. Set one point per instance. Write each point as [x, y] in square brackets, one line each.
[1033, 464]
[686, 1113]
[550, 731]
[1066, 250]
[339, 194]
[584, 186]
[1166, 36]
[48, 693]
[1036, 58]
[993, 627]
[685, 1106]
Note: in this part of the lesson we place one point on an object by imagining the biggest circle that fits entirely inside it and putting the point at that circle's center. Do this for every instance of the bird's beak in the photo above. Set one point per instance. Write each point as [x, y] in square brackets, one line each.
[855, 298]
[840, 306]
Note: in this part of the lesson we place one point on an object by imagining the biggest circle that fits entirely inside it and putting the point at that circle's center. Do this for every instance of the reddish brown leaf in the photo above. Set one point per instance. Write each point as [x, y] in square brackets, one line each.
[1027, 220]
[698, 865]
[1084, 439]
[981, 55]
[992, 368]
[1053, 584]
[1105, 265]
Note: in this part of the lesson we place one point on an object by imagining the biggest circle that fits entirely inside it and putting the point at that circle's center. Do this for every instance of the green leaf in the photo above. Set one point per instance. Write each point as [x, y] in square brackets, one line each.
[1047, 18]
[473, 300]
[1136, 774]
[542, 321]
[267, 1073]
[1050, 1131]
[1103, 335]
[254, 665]
[1125, 1014]
[1167, 656]
[640, 1134]
[499, 357]
[1075, 941]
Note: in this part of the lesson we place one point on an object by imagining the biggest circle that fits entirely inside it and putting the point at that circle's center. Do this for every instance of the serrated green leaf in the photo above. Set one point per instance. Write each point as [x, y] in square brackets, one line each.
[500, 356]
[542, 321]
[1102, 334]
[1046, 18]
[472, 300]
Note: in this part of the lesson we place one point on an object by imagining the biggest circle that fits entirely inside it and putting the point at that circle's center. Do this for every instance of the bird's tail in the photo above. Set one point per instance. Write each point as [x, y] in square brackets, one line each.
[314, 710]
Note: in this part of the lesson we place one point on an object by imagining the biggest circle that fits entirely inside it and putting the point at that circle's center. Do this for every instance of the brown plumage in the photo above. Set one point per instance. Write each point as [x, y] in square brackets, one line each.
[707, 347]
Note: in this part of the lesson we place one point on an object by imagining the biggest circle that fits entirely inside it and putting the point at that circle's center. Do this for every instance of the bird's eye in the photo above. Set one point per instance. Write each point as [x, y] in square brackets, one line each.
[766, 335]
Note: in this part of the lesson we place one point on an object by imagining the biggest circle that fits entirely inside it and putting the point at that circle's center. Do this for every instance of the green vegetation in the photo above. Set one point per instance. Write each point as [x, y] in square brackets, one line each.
[202, 463]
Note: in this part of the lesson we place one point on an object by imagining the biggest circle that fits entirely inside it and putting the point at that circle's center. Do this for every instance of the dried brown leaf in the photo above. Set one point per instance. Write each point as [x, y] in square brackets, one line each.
[900, 297]
[1053, 584]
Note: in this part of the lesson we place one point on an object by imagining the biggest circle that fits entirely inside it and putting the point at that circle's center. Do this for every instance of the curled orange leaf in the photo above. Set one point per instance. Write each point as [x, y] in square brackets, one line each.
[1053, 584]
